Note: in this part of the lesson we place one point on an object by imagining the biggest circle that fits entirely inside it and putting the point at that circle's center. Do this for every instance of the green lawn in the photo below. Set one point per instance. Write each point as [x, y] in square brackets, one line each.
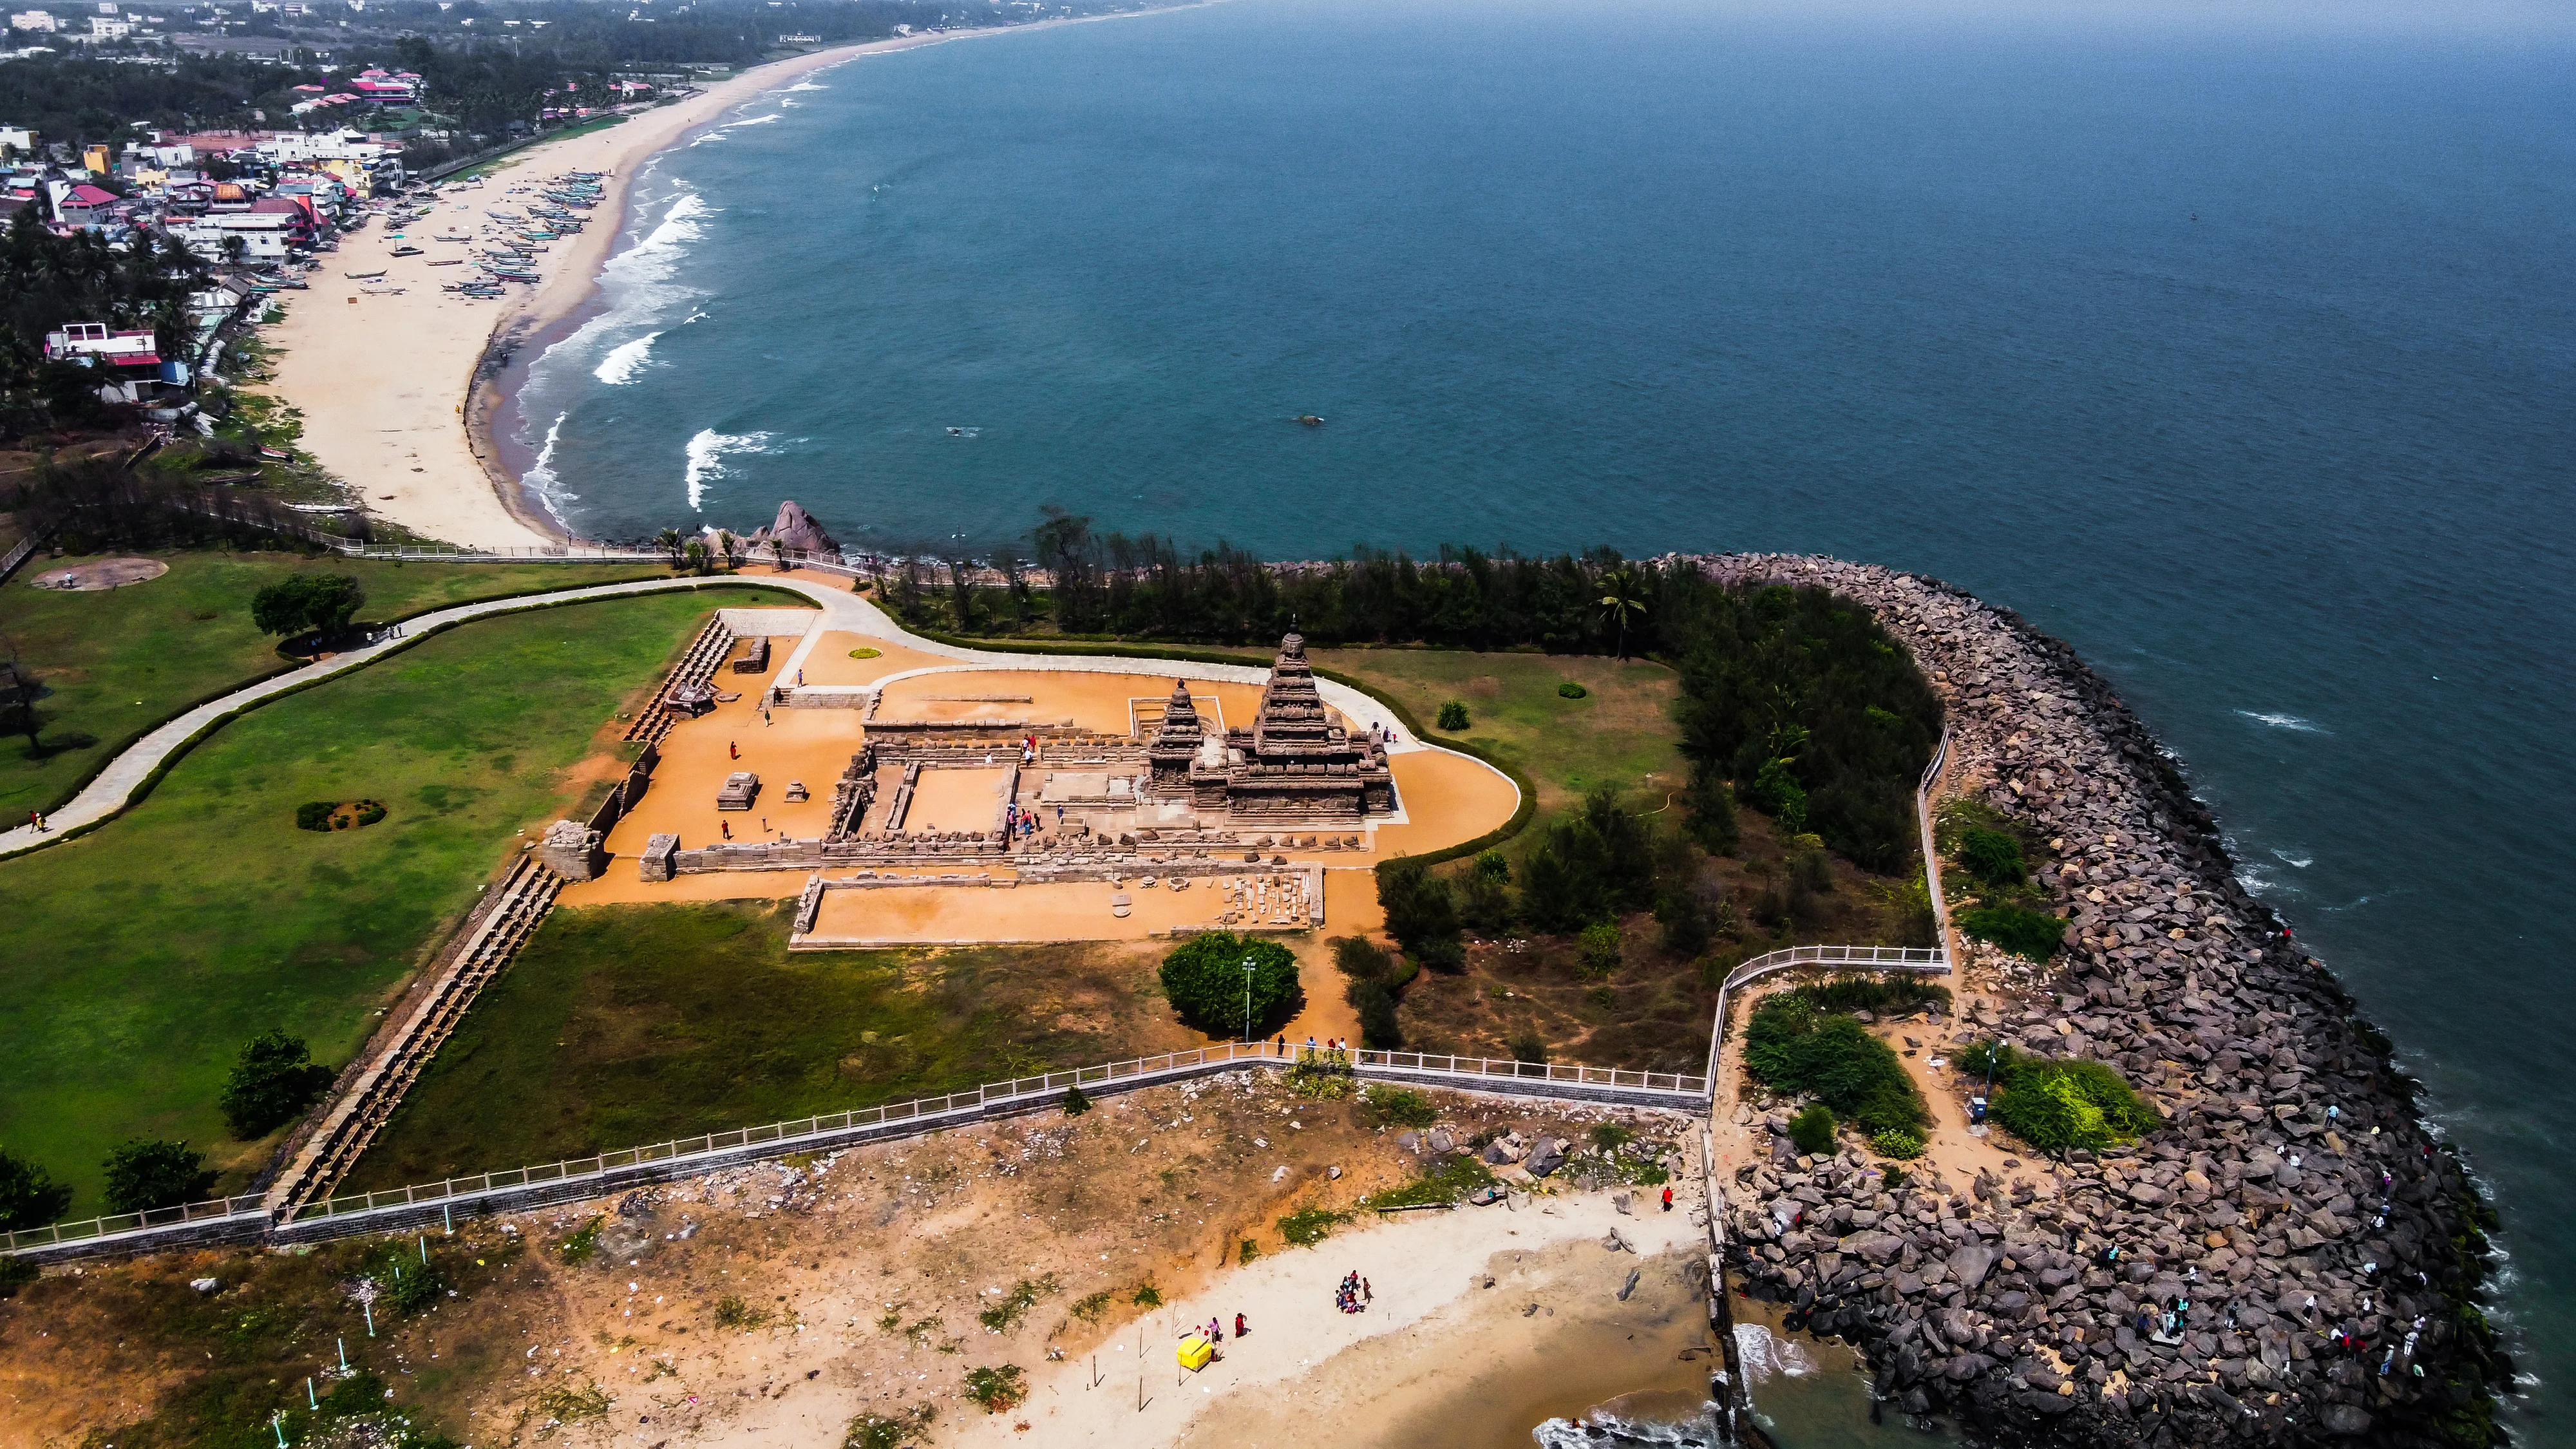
[122, 661]
[621, 1026]
[141, 956]
[1620, 733]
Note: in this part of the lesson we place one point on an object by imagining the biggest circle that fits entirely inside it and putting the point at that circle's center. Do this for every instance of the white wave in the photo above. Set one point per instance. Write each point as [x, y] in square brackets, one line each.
[625, 360]
[803, 85]
[2295, 862]
[707, 452]
[1764, 1355]
[757, 120]
[2284, 722]
[541, 473]
[1599, 1429]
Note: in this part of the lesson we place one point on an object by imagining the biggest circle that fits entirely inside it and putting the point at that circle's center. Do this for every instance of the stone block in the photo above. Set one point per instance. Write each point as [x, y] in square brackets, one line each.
[571, 849]
[656, 861]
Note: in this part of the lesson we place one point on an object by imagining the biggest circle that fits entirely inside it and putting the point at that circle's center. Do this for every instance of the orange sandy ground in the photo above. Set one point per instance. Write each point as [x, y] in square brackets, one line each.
[949, 800]
[830, 663]
[1051, 911]
[1091, 701]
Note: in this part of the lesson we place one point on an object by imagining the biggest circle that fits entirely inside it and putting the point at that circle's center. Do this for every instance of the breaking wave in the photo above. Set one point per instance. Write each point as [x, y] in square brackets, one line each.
[625, 360]
[1764, 1355]
[1598, 1429]
[2284, 722]
[541, 473]
[707, 452]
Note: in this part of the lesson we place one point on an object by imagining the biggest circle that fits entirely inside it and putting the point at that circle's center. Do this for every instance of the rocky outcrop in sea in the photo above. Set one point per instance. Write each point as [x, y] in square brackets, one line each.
[2298, 1261]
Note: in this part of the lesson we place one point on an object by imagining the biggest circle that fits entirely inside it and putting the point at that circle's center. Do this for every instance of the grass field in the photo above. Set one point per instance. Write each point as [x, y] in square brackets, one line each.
[140, 957]
[620, 1026]
[121, 661]
[1621, 733]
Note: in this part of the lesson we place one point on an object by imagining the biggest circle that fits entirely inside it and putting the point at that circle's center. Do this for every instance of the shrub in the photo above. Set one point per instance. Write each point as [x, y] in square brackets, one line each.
[1247, 1251]
[410, 1285]
[307, 604]
[1877, 995]
[739, 1315]
[996, 1390]
[1901, 1143]
[1592, 865]
[1308, 1226]
[1791, 1045]
[1711, 807]
[1571, 690]
[1322, 1077]
[880, 1431]
[1486, 903]
[1361, 959]
[273, 1080]
[29, 1196]
[369, 812]
[1204, 980]
[1004, 1316]
[315, 814]
[1688, 922]
[1399, 1107]
[1813, 1130]
[1148, 1296]
[2024, 932]
[1453, 716]
[1529, 1046]
[1446, 1181]
[1075, 1103]
[1091, 1307]
[2059, 1105]
[1491, 865]
[582, 1245]
[1380, 1030]
[144, 1175]
[1992, 856]
[16, 1273]
[1610, 1137]
[1421, 914]
[1600, 946]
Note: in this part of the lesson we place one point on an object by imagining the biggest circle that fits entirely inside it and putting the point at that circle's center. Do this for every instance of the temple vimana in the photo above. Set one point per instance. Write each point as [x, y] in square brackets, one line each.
[1296, 763]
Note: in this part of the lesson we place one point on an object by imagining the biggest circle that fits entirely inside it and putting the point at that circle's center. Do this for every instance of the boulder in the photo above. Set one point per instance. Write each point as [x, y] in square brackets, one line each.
[797, 529]
[2345, 1420]
[1969, 1263]
[1546, 1157]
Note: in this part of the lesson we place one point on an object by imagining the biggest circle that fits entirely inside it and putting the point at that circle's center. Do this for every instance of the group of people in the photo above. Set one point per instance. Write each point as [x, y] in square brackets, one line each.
[1353, 1296]
[1215, 1330]
[1022, 823]
[36, 821]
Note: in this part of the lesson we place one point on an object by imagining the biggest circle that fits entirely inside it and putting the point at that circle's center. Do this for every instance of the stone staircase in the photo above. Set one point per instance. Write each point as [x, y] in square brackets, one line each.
[698, 666]
[492, 936]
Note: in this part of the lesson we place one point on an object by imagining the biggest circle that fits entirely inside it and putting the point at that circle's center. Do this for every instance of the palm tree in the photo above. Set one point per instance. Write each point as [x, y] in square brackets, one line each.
[778, 553]
[668, 541]
[727, 545]
[1621, 601]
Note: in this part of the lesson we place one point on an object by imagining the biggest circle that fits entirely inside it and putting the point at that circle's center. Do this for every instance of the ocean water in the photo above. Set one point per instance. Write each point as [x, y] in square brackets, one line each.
[2232, 344]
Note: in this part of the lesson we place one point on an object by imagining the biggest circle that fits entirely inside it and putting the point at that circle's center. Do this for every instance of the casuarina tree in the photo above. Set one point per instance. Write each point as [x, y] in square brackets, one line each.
[1205, 980]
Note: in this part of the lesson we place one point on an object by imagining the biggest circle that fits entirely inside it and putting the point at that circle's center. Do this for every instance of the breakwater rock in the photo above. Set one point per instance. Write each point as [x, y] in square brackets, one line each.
[2291, 1259]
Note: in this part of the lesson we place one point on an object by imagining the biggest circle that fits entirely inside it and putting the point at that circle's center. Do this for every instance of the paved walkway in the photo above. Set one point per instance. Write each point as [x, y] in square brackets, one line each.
[116, 786]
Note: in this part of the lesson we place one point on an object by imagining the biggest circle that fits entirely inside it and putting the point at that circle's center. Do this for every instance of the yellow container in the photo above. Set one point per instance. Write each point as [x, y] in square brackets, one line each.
[1195, 1352]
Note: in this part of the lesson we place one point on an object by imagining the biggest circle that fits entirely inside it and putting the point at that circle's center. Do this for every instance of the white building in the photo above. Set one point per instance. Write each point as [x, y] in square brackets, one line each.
[340, 145]
[108, 27]
[17, 138]
[32, 20]
[264, 235]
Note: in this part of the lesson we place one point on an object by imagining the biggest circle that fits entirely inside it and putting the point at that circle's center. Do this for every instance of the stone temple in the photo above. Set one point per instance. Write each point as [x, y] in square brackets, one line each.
[1296, 762]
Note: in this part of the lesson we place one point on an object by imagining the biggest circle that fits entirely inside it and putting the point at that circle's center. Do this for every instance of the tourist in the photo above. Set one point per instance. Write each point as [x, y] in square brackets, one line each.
[732, 751]
[1367, 1294]
[727, 827]
[1668, 1199]
[1239, 1329]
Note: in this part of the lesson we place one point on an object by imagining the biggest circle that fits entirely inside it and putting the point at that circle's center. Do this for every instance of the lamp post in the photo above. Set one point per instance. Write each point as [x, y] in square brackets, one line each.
[1247, 998]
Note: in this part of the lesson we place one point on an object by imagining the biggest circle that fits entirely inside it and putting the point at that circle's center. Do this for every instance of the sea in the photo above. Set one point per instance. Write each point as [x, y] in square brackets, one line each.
[2233, 343]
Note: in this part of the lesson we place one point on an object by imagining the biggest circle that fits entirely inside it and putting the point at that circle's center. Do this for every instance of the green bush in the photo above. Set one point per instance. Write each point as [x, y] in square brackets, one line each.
[2024, 932]
[1322, 1076]
[1600, 946]
[1308, 1226]
[29, 1196]
[738, 1314]
[1901, 1143]
[1711, 807]
[1689, 923]
[1877, 995]
[1075, 1103]
[273, 1080]
[16, 1273]
[582, 1245]
[1992, 856]
[878, 1431]
[1491, 864]
[1813, 1130]
[2056, 1106]
[1592, 865]
[307, 603]
[369, 812]
[144, 1175]
[315, 814]
[1005, 1315]
[1147, 1296]
[996, 1390]
[1380, 1028]
[1792, 1045]
[1204, 980]
[1571, 690]
[1448, 1180]
[1399, 1107]
[1529, 1046]
[1421, 914]
[1453, 716]
[409, 1284]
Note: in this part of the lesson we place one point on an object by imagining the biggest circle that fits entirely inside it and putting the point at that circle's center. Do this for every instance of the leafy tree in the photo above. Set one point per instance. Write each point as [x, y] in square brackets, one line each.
[1592, 866]
[1600, 943]
[1421, 914]
[1204, 980]
[19, 691]
[145, 1175]
[1622, 601]
[1792, 1045]
[274, 1079]
[29, 1196]
[307, 604]
[1688, 918]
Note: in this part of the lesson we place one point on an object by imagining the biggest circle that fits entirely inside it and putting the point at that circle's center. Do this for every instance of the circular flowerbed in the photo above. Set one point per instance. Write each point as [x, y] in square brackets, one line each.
[867, 653]
[337, 814]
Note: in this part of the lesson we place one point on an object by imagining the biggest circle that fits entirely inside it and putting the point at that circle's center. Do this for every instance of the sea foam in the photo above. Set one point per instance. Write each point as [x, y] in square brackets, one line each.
[625, 360]
[707, 452]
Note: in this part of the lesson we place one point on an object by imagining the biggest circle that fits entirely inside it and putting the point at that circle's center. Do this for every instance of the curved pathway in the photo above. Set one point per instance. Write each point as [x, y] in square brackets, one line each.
[117, 786]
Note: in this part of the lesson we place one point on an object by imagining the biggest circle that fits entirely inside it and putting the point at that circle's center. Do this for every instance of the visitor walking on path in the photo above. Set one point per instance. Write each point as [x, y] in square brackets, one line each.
[732, 750]
[1239, 1329]
[1668, 1199]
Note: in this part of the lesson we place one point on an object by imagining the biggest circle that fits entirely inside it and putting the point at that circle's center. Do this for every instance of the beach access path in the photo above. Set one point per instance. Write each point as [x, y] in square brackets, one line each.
[842, 611]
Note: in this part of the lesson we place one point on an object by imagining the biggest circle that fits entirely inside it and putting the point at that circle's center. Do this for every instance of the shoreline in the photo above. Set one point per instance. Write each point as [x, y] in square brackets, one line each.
[366, 368]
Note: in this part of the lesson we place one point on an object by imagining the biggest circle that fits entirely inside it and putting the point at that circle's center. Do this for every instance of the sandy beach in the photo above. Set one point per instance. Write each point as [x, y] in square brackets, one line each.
[385, 379]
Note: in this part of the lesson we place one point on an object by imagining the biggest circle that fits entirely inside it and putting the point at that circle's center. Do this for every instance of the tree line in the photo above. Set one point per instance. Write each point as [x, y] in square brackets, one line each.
[48, 280]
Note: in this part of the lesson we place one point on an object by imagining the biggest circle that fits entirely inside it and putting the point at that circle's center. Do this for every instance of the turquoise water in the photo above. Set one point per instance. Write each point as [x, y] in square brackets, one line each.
[2236, 351]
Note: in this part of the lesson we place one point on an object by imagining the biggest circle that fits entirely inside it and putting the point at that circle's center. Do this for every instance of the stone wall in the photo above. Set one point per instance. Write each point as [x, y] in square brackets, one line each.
[2293, 1194]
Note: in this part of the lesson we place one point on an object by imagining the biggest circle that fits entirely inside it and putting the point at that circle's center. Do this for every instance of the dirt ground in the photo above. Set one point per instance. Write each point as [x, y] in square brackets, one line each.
[775, 1303]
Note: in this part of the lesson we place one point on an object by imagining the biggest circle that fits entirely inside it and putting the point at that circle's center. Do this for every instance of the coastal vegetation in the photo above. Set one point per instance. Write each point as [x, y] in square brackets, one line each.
[1798, 1045]
[145, 953]
[2059, 1104]
[624, 1025]
[48, 280]
[1231, 986]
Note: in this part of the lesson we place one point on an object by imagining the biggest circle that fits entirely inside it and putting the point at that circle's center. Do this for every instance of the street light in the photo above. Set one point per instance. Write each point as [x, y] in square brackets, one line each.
[1247, 998]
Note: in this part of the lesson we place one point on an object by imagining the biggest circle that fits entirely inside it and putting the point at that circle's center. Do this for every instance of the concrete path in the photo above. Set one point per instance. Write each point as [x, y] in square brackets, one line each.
[843, 610]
